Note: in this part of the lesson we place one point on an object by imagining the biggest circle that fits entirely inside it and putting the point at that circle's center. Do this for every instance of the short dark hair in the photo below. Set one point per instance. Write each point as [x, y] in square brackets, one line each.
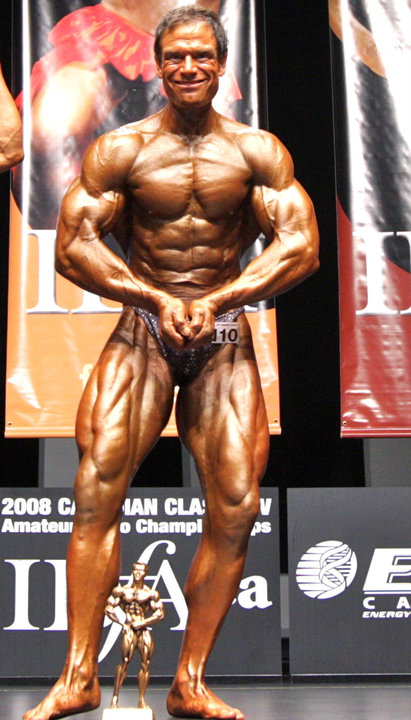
[187, 14]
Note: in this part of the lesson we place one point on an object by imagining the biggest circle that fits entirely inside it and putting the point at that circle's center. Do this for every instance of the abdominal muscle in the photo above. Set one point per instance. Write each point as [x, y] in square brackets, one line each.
[187, 258]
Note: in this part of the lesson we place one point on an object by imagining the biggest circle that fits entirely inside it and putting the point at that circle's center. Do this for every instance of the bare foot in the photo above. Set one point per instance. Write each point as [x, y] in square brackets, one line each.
[64, 699]
[187, 700]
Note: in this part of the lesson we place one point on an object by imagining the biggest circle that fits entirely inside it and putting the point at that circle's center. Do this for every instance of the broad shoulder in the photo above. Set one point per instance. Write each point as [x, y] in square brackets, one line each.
[268, 158]
[116, 593]
[110, 158]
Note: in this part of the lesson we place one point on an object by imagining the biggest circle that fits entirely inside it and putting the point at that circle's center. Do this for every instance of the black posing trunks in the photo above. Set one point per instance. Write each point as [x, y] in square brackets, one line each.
[185, 364]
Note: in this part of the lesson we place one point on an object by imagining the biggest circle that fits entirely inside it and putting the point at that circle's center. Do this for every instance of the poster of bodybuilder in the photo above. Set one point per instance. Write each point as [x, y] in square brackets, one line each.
[372, 74]
[82, 69]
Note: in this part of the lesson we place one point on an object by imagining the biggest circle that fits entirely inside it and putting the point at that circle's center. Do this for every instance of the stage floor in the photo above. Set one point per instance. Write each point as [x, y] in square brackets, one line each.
[277, 701]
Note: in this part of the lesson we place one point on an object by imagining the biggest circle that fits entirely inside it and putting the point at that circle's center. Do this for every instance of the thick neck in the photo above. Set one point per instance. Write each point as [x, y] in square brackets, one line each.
[190, 123]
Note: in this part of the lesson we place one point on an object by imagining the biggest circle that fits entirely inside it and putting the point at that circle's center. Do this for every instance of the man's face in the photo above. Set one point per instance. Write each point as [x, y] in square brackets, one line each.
[189, 66]
[138, 572]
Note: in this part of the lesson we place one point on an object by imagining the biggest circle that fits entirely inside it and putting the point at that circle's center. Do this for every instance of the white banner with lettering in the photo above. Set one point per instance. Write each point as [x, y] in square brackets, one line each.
[162, 528]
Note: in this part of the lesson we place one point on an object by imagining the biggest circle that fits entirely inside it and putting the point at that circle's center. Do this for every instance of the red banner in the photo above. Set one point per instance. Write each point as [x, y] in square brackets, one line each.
[85, 70]
[371, 78]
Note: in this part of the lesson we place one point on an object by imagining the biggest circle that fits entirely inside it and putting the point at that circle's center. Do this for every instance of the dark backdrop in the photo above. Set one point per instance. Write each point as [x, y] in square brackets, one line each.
[310, 451]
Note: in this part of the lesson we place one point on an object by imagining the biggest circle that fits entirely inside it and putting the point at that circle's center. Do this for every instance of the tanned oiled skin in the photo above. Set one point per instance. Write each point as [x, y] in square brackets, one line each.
[184, 192]
[11, 142]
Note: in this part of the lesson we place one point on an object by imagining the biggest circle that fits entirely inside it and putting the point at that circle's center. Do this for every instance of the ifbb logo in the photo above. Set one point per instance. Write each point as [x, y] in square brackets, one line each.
[326, 569]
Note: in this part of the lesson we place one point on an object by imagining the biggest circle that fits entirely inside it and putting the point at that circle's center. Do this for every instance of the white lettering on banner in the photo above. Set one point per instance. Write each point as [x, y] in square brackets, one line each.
[254, 593]
[265, 506]
[385, 614]
[402, 605]
[36, 526]
[403, 602]
[140, 506]
[21, 600]
[60, 595]
[376, 265]
[148, 525]
[22, 594]
[388, 567]
[23, 506]
[22, 591]
[66, 506]
[261, 527]
[166, 574]
[176, 506]
[46, 298]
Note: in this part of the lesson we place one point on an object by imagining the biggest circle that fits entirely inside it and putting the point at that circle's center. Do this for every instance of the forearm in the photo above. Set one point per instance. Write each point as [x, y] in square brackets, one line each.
[93, 267]
[279, 268]
[109, 611]
[152, 620]
[83, 258]
[288, 217]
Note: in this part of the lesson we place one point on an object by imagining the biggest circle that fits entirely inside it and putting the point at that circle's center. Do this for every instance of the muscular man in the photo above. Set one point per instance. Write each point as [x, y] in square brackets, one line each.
[137, 601]
[11, 149]
[185, 192]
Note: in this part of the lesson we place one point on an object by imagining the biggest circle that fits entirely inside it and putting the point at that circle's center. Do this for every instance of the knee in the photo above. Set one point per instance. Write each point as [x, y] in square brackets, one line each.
[97, 501]
[247, 510]
[235, 517]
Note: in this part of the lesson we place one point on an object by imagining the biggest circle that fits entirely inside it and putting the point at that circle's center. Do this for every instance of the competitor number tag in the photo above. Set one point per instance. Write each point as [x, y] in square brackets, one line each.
[225, 332]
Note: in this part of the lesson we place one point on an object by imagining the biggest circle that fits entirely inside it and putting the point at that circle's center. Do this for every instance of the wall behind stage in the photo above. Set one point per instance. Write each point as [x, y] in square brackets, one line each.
[310, 451]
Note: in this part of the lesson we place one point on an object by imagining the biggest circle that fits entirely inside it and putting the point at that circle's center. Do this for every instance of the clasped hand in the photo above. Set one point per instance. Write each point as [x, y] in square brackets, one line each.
[185, 327]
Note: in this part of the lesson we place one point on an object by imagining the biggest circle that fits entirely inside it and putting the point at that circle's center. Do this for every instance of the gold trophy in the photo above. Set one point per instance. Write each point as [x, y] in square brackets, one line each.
[142, 607]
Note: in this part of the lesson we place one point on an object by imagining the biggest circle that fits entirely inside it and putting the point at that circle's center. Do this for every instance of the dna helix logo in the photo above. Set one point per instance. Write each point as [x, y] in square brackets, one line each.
[326, 569]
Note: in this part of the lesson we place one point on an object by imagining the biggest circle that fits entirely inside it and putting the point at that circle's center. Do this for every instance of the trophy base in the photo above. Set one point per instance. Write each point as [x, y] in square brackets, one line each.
[128, 714]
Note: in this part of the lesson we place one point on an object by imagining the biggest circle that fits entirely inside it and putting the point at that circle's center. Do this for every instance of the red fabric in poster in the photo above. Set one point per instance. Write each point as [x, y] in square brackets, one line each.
[375, 348]
[95, 36]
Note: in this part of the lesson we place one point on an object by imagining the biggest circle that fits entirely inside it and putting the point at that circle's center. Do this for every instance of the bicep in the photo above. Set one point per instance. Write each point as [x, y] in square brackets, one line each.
[273, 179]
[279, 211]
[292, 208]
[96, 199]
[87, 215]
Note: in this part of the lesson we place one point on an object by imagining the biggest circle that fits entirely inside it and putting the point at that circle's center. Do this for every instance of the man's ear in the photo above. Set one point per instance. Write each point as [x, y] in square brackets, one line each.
[159, 70]
[222, 66]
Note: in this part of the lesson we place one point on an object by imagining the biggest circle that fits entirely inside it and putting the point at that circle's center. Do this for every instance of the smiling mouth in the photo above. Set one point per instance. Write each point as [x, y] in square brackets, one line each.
[189, 83]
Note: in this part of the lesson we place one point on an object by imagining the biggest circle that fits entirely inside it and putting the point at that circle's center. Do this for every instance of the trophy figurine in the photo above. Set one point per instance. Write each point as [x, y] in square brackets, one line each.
[142, 607]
